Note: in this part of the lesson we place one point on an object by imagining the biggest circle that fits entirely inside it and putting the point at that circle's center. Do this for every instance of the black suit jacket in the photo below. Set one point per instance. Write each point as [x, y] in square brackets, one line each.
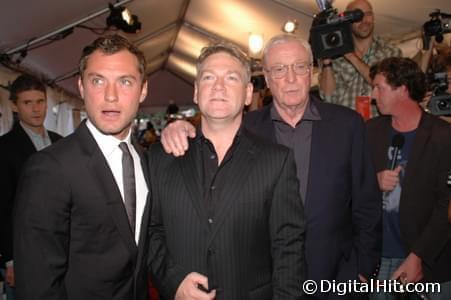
[342, 205]
[15, 148]
[253, 248]
[423, 207]
[72, 238]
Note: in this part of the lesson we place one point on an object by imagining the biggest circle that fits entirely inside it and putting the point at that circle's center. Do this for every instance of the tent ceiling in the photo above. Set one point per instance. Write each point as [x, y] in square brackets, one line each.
[174, 31]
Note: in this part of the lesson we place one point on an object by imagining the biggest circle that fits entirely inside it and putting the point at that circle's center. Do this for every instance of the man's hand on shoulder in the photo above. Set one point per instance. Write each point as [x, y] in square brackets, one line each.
[174, 137]
[194, 287]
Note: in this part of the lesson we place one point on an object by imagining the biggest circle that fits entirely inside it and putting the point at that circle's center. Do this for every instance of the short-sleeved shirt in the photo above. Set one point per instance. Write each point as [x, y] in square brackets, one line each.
[350, 83]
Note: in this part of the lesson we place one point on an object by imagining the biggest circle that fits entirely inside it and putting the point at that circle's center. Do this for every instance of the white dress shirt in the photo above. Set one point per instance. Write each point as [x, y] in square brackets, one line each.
[109, 145]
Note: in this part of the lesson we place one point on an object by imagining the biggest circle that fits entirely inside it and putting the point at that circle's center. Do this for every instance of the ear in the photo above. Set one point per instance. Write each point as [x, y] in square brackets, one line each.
[249, 90]
[80, 88]
[143, 95]
[195, 93]
[14, 107]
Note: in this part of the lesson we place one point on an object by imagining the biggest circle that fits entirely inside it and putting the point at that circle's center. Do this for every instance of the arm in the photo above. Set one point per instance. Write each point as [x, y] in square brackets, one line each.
[359, 65]
[287, 234]
[366, 204]
[173, 281]
[174, 137]
[41, 235]
[433, 238]
[327, 81]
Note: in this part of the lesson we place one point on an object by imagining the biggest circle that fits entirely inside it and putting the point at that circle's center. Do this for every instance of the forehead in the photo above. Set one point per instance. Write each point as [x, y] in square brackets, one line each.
[361, 4]
[222, 59]
[31, 95]
[286, 53]
[121, 61]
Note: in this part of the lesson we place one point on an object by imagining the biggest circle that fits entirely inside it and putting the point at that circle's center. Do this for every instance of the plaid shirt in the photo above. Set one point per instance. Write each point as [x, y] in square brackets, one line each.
[350, 83]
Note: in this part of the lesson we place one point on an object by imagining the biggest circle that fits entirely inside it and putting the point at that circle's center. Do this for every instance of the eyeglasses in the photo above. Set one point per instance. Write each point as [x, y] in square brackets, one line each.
[280, 71]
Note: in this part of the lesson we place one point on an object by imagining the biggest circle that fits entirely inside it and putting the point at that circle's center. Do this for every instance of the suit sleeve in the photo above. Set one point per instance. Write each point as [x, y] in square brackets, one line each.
[436, 233]
[287, 234]
[166, 275]
[8, 186]
[41, 236]
[366, 204]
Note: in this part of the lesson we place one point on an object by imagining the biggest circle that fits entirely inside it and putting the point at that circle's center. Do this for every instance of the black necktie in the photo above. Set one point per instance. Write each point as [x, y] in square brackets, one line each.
[128, 177]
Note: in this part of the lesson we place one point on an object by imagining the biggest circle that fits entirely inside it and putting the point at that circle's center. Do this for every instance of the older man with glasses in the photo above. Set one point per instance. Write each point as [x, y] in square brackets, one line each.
[337, 180]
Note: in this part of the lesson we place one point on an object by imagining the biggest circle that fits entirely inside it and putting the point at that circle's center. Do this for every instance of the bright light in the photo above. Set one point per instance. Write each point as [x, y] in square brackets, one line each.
[290, 26]
[255, 43]
[126, 15]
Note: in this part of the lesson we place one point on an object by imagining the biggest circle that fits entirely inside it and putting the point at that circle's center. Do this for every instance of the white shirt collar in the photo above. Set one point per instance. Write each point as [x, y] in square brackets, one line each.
[106, 142]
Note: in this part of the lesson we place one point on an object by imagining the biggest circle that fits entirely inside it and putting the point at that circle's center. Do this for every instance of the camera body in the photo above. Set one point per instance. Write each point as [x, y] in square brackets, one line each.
[440, 102]
[331, 33]
[438, 25]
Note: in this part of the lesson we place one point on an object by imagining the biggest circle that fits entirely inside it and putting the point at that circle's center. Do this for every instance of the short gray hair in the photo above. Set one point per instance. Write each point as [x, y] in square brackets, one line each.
[284, 38]
[229, 48]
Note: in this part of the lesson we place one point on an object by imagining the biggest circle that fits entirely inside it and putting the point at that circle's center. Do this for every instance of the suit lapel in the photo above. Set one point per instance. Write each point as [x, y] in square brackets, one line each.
[189, 166]
[242, 160]
[420, 142]
[145, 217]
[106, 182]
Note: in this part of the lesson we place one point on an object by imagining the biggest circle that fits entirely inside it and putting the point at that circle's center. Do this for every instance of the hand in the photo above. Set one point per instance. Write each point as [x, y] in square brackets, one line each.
[388, 179]
[410, 270]
[189, 290]
[174, 137]
[9, 276]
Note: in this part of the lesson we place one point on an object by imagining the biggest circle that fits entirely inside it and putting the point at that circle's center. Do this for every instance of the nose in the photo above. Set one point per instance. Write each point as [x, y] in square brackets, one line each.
[110, 93]
[218, 84]
[36, 107]
[291, 76]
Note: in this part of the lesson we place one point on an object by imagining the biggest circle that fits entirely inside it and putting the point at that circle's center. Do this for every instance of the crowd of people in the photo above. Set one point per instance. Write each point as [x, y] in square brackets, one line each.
[244, 205]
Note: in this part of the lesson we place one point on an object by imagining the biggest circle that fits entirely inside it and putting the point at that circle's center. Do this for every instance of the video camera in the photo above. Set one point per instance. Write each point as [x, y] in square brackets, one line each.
[440, 103]
[439, 24]
[331, 33]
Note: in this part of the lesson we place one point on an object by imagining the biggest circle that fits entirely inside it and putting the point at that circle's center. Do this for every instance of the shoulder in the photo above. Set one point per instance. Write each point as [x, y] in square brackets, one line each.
[54, 136]
[386, 48]
[264, 145]
[336, 112]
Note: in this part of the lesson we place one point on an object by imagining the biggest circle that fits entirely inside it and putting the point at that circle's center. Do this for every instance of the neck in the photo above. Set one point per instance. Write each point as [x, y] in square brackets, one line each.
[362, 45]
[220, 134]
[36, 129]
[408, 118]
[291, 114]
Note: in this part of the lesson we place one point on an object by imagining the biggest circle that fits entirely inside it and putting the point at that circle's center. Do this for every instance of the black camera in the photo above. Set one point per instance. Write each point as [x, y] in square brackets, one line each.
[438, 25]
[440, 103]
[331, 33]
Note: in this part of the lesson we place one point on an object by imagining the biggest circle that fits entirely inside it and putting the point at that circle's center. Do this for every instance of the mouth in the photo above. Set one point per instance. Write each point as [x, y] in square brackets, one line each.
[111, 113]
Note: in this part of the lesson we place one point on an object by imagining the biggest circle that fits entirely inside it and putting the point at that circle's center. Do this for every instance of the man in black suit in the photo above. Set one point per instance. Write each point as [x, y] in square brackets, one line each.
[412, 154]
[28, 135]
[228, 211]
[80, 202]
[337, 179]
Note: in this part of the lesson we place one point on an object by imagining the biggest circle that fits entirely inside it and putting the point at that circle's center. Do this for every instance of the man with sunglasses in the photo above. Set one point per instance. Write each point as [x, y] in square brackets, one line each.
[337, 180]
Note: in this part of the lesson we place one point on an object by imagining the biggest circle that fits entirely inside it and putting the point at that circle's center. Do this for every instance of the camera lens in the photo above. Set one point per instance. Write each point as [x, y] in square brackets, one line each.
[444, 104]
[333, 39]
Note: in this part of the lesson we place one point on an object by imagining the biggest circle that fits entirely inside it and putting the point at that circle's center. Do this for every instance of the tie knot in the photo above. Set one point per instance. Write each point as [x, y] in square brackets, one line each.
[124, 147]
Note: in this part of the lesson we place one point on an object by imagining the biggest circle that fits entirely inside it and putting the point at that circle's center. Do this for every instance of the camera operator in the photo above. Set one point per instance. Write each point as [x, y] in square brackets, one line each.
[440, 65]
[345, 78]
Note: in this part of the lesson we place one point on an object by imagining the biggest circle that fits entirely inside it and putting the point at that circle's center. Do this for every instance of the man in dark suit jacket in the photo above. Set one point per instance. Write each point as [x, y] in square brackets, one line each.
[417, 244]
[229, 210]
[337, 179]
[80, 202]
[28, 135]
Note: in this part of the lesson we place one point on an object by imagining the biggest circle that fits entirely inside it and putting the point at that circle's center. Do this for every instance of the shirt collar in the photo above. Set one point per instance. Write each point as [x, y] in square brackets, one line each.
[311, 113]
[33, 134]
[107, 143]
